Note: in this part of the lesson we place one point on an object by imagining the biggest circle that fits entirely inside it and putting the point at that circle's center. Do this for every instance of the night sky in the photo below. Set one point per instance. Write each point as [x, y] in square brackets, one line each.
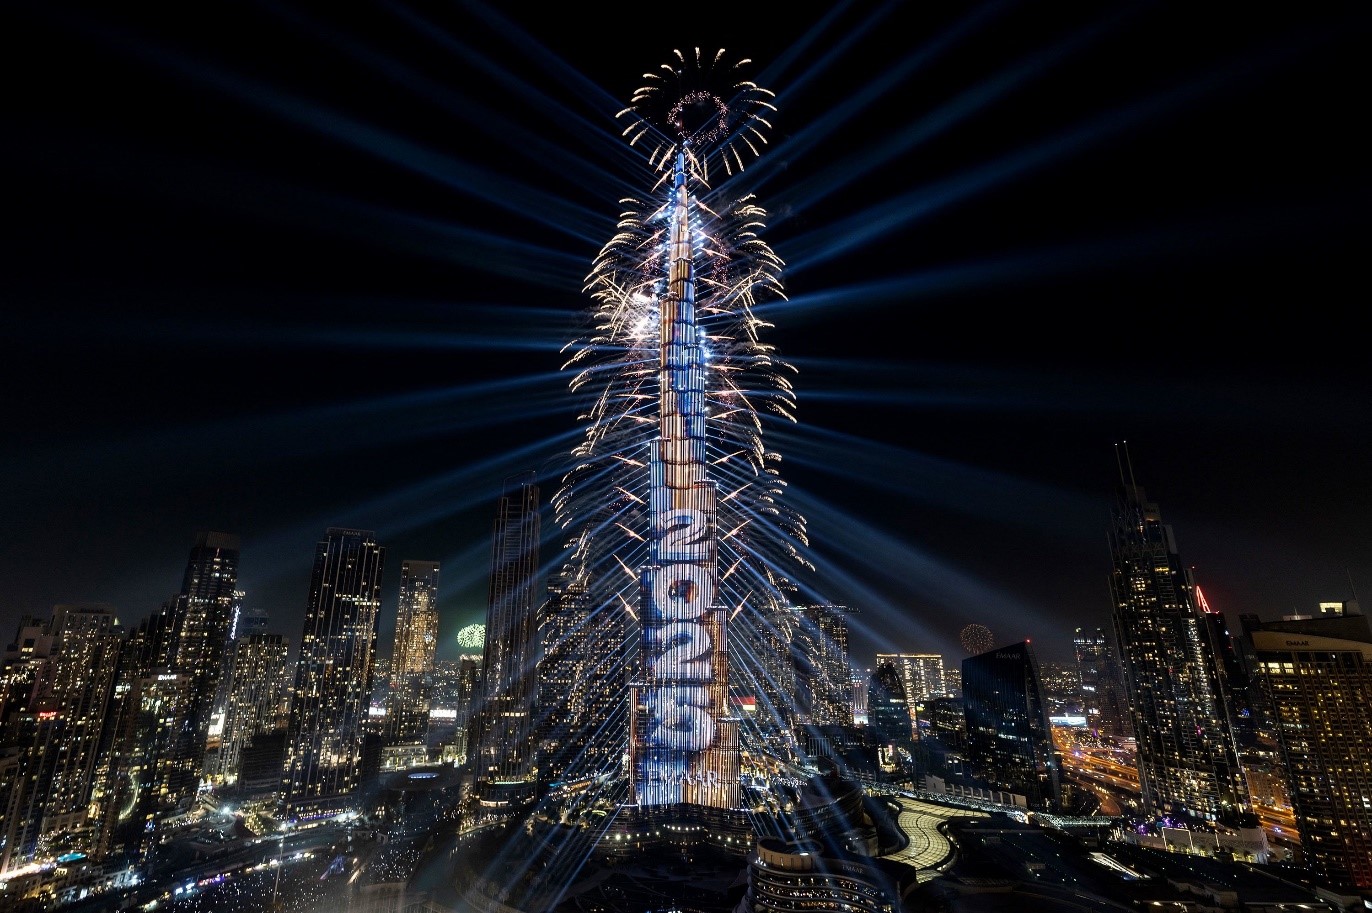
[274, 267]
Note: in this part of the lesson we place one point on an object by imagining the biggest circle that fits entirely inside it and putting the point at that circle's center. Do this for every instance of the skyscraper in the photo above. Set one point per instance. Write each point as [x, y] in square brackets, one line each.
[59, 730]
[683, 734]
[412, 657]
[674, 512]
[1102, 683]
[333, 678]
[170, 679]
[1317, 676]
[1009, 742]
[1187, 757]
[203, 619]
[922, 676]
[504, 721]
[819, 647]
[582, 689]
[888, 710]
[257, 698]
[673, 507]
[773, 697]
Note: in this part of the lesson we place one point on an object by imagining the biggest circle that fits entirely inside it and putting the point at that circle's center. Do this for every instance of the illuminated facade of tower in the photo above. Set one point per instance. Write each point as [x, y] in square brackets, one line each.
[202, 617]
[412, 658]
[1009, 741]
[1317, 674]
[683, 737]
[57, 797]
[819, 646]
[888, 709]
[1187, 756]
[1102, 683]
[333, 677]
[673, 507]
[504, 736]
[922, 675]
[258, 697]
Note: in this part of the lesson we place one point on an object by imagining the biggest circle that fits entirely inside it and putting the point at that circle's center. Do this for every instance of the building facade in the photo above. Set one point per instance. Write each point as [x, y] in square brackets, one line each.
[1187, 756]
[922, 675]
[410, 695]
[203, 617]
[334, 675]
[258, 699]
[504, 722]
[1102, 683]
[1009, 744]
[819, 648]
[582, 688]
[1318, 679]
[806, 876]
[60, 679]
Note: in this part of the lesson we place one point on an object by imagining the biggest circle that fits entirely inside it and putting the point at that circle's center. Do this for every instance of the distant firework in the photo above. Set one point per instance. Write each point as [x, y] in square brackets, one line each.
[976, 639]
[472, 637]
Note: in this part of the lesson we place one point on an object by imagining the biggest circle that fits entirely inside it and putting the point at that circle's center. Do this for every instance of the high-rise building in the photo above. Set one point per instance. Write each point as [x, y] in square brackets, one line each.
[168, 690]
[582, 689]
[767, 689]
[922, 676]
[922, 673]
[334, 675]
[258, 697]
[1187, 756]
[1317, 676]
[505, 720]
[684, 735]
[888, 707]
[410, 695]
[1102, 683]
[674, 510]
[248, 620]
[203, 617]
[1009, 741]
[57, 728]
[466, 705]
[561, 715]
[150, 698]
[819, 647]
[952, 680]
[859, 680]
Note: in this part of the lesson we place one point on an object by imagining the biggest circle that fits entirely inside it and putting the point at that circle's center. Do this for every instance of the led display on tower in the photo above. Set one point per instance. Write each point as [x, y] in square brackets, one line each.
[685, 745]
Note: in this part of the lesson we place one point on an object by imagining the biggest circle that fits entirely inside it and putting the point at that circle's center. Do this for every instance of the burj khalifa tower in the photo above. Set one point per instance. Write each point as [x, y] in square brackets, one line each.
[675, 507]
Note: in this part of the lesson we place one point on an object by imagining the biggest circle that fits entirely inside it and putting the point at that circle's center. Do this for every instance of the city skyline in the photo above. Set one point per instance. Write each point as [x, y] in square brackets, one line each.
[670, 700]
[213, 223]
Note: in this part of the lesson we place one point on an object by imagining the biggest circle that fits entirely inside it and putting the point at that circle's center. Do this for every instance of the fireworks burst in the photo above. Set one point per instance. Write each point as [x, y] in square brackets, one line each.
[976, 639]
[703, 104]
[472, 637]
